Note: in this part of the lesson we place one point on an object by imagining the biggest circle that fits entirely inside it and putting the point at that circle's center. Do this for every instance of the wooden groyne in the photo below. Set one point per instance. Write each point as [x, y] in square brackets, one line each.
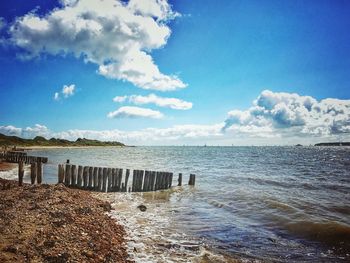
[21, 158]
[16, 157]
[103, 179]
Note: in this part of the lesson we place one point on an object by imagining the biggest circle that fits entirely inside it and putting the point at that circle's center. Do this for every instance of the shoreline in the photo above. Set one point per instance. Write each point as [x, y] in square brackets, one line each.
[53, 223]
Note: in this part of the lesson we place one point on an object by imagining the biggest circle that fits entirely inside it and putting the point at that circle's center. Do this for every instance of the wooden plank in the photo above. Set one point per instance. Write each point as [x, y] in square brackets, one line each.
[126, 179]
[74, 176]
[179, 181]
[141, 176]
[60, 174]
[120, 177]
[95, 175]
[134, 172]
[67, 175]
[20, 172]
[104, 181]
[171, 180]
[192, 180]
[80, 177]
[100, 179]
[145, 182]
[156, 185]
[153, 179]
[39, 174]
[91, 177]
[114, 179]
[109, 179]
[33, 171]
[85, 177]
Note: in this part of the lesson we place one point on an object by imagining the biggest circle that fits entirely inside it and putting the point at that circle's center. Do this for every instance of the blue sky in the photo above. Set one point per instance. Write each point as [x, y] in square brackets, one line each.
[230, 61]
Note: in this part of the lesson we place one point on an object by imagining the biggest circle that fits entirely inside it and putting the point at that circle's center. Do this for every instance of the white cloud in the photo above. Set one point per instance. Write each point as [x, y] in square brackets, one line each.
[287, 114]
[115, 35]
[28, 132]
[135, 112]
[120, 98]
[10, 130]
[172, 103]
[56, 96]
[67, 91]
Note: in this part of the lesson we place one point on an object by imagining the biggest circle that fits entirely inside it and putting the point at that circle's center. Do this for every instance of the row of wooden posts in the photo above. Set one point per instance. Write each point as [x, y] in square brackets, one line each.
[16, 157]
[104, 179]
[36, 165]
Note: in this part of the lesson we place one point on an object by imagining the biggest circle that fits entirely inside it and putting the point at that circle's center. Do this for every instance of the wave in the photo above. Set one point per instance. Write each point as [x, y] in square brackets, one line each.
[329, 232]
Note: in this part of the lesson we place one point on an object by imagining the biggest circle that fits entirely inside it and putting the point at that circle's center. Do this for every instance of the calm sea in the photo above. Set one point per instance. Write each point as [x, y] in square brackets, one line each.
[280, 204]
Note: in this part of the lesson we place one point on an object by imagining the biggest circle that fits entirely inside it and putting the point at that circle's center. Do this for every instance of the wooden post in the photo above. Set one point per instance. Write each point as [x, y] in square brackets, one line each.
[60, 173]
[133, 180]
[141, 180]
[114, 179]
[109, 176]
[100, 178]
[104, 182]
[39, 172]
[146, 182]
[192, 180]
[85, 177]
[120, 177]
[91, 177]
[179, 180]
[67, 175]
[171, 180]
[74, 176]
[156, 185]
[126, 179]
[20, 173]
[95, 178]
[33, 170]
[153, 179]
[80, 177]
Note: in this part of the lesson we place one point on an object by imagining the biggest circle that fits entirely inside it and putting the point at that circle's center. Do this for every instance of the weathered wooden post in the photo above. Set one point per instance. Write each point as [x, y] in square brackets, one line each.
[39, 174]
[120, 177]
[153, 179]
[179, 180]
[95, 178]
[126, 179]
[60, 173]
[85, 177]
[114, 179]
[100, 178]
[33, 171]
[104, 182]
[192, 180]
[20, 173]
[91, 177]
[146, 182]
[74, 176]
[80, 177]
[67, 175]
[109, 176]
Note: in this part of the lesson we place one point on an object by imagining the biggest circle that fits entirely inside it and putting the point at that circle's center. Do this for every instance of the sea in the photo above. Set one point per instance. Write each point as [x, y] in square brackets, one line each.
[249, 204]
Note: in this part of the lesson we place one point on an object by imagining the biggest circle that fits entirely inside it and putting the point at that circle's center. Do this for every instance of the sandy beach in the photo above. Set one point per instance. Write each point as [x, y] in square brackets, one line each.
[52, 223]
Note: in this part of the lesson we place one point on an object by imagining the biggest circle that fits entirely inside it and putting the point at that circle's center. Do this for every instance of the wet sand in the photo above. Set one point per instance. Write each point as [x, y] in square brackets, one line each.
[52, 223]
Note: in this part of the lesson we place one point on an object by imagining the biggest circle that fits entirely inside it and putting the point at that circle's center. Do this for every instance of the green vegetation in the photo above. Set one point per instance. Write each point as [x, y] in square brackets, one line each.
[41, 141]
[333, 144]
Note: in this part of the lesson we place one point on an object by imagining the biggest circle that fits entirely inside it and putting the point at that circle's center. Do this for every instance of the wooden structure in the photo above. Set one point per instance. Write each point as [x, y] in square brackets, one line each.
[104, 179]
[20, 157]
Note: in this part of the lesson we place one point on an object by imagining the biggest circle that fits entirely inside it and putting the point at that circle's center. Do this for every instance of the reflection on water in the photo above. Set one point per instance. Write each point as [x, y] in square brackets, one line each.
[270, 203]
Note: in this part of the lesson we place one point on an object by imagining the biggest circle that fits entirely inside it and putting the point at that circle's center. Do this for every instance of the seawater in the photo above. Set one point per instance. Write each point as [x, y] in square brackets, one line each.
[275, 204]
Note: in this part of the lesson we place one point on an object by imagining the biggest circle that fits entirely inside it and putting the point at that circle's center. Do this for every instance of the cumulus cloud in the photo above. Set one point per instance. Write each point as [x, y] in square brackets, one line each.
[67, 91]
[145, 136]
[135, 112]
[115, 35]
[172, 103]
[28, 132]
[290, 114]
